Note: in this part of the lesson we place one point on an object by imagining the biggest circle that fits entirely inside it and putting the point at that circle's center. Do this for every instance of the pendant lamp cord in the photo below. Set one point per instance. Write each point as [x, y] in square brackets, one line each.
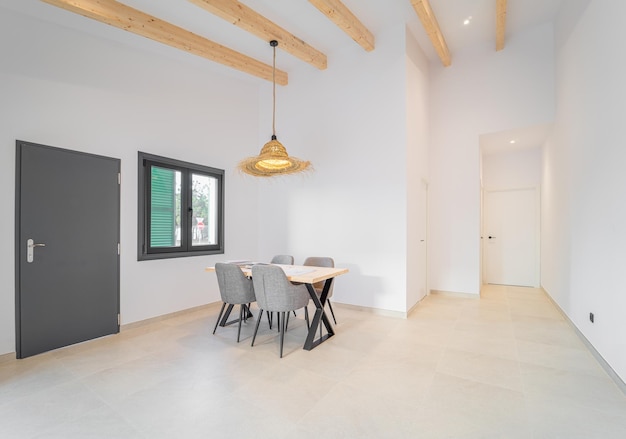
[274, 94]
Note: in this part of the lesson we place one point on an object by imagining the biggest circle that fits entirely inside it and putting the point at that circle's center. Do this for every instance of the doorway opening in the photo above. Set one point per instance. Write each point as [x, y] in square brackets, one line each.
[510, 177]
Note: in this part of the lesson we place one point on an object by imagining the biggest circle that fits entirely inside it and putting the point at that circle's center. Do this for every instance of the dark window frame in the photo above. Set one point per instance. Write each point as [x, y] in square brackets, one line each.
[144, 250]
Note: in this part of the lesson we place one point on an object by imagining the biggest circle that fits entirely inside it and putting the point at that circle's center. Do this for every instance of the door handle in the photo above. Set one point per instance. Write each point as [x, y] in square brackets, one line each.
[492, 237]
[30, 250]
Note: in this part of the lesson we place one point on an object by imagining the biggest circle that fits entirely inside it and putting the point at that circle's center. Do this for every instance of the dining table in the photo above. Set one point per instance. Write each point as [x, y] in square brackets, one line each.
[309, 276]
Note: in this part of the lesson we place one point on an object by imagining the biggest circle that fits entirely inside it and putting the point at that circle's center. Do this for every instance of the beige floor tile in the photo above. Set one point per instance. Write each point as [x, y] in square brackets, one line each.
[36, 413]
[494, 344]
[553, 419]
[352, 412]
[548, 334]
[482, 410]
[101, 423]
[591, 391]
[403, 346]
[559, 357]
[405, 381]
[486, 369]
[290, 391]
[425, 331]
[487, 312]
[485, 328]
[31, 375]
[334, 362]
[506, 366]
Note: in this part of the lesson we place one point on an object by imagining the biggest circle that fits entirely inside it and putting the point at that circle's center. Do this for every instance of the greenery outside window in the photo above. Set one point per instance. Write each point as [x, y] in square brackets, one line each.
[181, 208]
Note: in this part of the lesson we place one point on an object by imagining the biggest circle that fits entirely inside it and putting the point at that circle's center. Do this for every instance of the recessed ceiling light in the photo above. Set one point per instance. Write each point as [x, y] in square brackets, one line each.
[467, 20]
[512, 142]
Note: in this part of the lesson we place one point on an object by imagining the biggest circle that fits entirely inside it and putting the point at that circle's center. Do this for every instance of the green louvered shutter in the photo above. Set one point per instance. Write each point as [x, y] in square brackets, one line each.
[163, 207]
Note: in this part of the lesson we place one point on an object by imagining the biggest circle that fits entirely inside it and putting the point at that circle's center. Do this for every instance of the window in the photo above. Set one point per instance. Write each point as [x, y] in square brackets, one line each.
[181, 209]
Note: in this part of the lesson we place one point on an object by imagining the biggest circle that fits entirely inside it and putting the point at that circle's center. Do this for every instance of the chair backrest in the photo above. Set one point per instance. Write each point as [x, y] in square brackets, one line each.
[274, 292]
[235, 287]
[282, 259]
[321, 261]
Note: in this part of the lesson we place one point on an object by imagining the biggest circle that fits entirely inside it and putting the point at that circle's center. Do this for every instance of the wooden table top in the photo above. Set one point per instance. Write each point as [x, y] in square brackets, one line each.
[306, 274]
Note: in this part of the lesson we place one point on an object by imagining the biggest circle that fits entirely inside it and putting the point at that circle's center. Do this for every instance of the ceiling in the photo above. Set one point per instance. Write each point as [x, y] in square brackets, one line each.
[303, 20]
[306, 22]
[514, 140]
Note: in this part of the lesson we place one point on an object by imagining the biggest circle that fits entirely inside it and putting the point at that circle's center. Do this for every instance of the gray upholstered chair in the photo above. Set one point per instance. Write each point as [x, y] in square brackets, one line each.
[323, 261]
[235, 289]
[282, 259]
[275, 293]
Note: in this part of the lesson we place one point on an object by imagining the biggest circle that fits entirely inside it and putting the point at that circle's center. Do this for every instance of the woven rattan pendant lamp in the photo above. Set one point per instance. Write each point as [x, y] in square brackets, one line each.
[273, 159]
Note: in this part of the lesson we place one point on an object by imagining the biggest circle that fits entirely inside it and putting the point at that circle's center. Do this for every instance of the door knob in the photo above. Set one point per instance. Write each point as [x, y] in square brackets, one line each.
[30, 250]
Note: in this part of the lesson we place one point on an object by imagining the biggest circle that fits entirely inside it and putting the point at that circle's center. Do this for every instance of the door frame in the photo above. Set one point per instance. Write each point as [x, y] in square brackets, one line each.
[18, 260]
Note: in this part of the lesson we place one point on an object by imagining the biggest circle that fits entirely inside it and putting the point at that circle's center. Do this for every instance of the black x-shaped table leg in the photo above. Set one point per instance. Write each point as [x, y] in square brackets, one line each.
[320, 316]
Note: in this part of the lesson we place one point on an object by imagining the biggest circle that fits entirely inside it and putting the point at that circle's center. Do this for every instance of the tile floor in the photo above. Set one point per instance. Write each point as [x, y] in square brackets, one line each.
[505, 366]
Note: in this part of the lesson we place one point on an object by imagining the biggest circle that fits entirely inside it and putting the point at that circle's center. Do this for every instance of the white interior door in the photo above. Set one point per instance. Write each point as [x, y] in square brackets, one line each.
[511, 237]
[423, 232]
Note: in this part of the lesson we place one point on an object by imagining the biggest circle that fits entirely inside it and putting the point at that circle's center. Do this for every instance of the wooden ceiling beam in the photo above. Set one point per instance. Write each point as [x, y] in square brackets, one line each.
[132, 20]
[246, 18]
[339, 14]
[500, 23]
[430, 24]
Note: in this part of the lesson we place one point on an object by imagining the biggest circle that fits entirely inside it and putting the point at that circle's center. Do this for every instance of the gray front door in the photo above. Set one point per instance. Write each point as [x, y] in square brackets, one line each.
[67, 235]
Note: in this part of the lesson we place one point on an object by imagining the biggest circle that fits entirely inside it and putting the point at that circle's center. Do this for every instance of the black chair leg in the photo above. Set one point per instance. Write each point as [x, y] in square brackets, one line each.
[219, 317]
[241, 314]
[269, 318]
[282, 334]
[256, 328]
[331, 311]
[287, 322]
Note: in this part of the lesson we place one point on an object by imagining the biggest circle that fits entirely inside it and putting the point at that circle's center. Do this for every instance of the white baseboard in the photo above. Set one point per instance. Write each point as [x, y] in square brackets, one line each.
[140, 323]
[606, 366]
[457, 295]
[400, 314]
[377, 311]
[9, 356]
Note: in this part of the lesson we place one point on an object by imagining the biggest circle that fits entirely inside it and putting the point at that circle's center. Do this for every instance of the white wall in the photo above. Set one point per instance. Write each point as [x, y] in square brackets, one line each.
[484, 91]
[583, 202]
[67, 89]
[512, 169]
[350, 121]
